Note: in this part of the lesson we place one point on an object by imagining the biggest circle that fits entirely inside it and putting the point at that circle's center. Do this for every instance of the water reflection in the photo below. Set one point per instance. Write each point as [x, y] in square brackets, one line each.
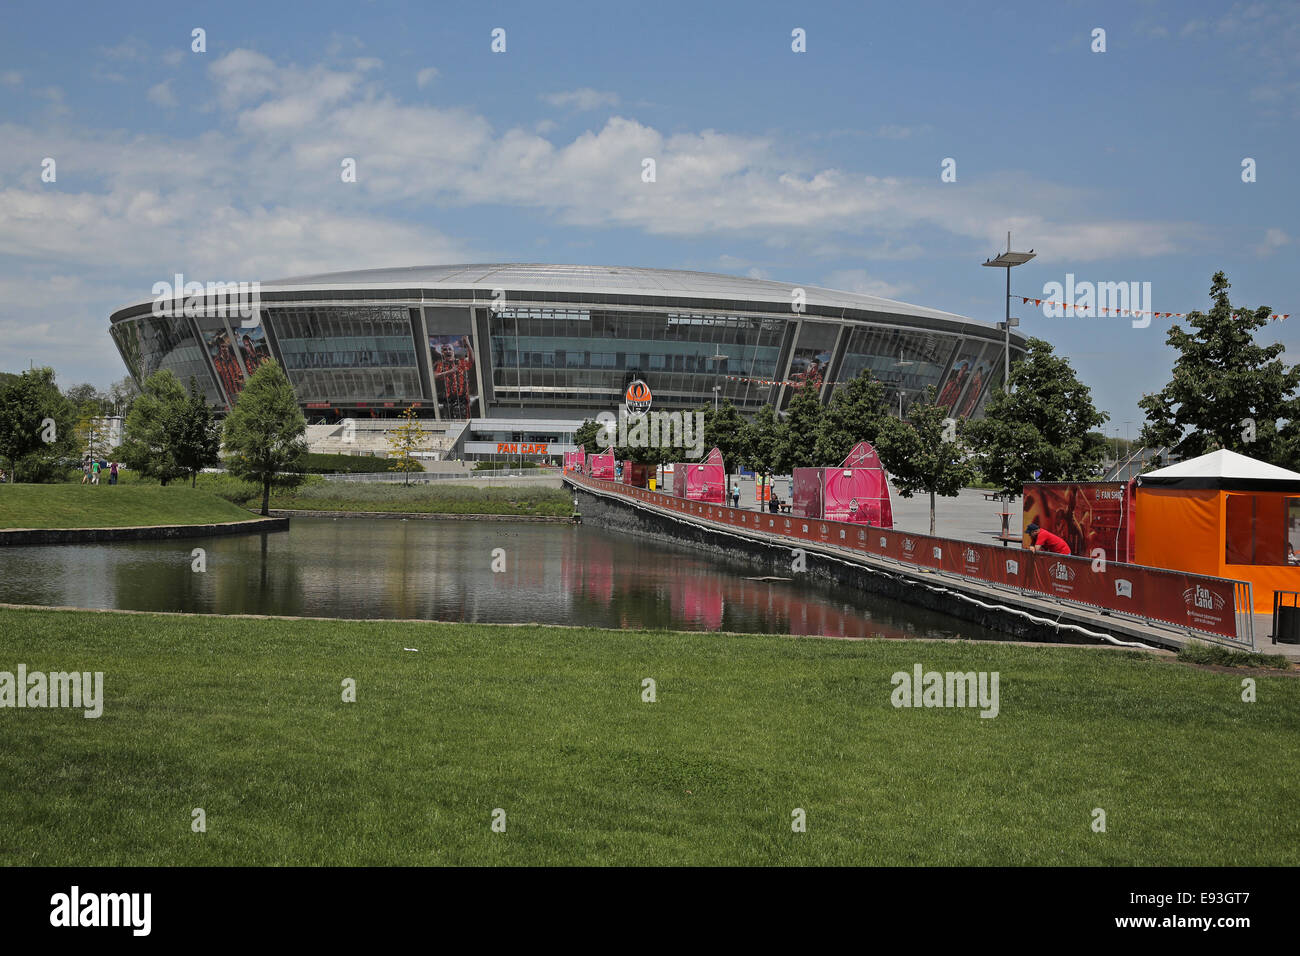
[442, 570]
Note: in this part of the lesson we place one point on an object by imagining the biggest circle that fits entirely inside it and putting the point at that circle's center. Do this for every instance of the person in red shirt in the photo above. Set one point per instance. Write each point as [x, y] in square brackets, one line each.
[1042, 540]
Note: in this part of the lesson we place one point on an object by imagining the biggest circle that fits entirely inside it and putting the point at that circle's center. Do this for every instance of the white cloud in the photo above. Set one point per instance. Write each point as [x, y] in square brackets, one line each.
[1274, 239]
[581, 99]
[11, 78]
[857, 280]
[426, 76]
[894, 131]
[173, 57]
[161, 94]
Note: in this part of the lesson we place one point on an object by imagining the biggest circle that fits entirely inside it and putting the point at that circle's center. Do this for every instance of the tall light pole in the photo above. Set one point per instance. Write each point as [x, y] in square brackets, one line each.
[900, 364]
[1008, 260]
[716, 358]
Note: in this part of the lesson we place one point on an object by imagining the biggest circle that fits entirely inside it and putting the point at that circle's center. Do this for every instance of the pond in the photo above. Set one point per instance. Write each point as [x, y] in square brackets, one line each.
[444, 570]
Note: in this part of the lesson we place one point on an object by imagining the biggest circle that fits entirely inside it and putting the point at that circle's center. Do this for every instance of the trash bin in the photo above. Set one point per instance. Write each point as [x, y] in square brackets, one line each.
[652, 484]
[1286, 624]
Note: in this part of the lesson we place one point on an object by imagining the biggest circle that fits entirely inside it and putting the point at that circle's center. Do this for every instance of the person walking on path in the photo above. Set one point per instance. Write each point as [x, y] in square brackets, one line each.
[85, 472]
[735, 494]
[94, 473]
[112, 472]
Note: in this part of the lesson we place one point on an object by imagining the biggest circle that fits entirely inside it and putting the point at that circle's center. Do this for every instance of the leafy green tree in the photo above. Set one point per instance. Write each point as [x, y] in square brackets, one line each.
[1045, 423]
[121, 394]
[586, 435]
[92, 435]
[37, 425]
[149, 445]
[762, 436]
[86, 399]
[196, 436]
[725, 430]
[856, 413]
[404, 441]
[265, 431]
[925, 453]
[1226, 391]
[797, 442]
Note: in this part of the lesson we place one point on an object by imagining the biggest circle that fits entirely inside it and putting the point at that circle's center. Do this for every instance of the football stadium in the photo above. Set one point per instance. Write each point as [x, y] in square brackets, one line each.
[508, 357]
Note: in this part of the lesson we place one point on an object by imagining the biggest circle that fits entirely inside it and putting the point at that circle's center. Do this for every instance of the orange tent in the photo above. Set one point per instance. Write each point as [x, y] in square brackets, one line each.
[1224, 515]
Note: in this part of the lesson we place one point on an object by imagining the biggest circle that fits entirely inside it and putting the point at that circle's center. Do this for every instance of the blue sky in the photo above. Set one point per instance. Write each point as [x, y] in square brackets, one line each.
[819, 168]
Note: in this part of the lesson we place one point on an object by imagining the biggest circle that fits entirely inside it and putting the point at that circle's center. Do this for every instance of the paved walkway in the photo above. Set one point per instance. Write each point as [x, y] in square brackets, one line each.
[968, 516]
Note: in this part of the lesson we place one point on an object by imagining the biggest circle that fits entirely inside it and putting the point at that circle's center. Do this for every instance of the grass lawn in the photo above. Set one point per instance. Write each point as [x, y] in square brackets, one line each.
[244, 718]
[111, 506]
[427, 499]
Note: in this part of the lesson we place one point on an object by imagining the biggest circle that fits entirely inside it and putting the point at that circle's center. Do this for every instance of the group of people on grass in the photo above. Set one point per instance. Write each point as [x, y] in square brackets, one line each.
[91, 469]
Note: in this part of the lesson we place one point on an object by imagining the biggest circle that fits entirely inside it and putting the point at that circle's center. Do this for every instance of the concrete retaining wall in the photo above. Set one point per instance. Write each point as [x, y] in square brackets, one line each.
[140, 533]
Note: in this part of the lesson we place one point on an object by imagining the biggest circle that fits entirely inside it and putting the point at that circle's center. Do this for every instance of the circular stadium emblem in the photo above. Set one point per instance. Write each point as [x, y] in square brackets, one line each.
[637, 398]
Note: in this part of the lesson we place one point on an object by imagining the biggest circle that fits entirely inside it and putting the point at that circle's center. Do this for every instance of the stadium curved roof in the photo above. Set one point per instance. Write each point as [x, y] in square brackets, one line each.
[607, 280]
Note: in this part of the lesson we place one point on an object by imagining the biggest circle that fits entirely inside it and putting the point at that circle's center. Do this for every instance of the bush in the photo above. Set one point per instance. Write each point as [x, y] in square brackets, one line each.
[440, 498]
[344, 464]
[227, 486]
[503, 465]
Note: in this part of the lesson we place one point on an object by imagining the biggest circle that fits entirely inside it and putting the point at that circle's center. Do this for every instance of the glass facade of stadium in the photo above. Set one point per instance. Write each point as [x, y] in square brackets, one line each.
[557, 354]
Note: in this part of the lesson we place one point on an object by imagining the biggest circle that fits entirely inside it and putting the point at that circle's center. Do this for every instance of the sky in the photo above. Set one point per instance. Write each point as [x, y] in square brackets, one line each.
[822, 167]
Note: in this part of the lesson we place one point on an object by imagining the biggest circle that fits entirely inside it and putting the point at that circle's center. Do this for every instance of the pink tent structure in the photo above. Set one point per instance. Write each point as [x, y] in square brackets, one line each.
[701, 481]
[856, 491]
[601, 466]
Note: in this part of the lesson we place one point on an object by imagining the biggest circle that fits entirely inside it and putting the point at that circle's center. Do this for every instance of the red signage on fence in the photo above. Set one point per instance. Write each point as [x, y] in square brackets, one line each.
[1171, 597]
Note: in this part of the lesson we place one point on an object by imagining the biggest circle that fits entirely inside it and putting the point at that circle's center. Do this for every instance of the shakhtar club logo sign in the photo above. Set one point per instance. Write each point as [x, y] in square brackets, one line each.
[637, 398]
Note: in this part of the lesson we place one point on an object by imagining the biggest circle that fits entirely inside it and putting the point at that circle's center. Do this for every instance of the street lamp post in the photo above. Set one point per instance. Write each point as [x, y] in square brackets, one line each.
[900, 364]
[717, 358]
[1008, 260]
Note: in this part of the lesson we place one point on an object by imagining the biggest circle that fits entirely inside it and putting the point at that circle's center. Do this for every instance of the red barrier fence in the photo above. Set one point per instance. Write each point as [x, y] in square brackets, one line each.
[1217, 606]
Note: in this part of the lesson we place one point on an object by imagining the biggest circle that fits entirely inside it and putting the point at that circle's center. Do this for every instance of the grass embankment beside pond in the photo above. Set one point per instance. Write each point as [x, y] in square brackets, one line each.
[244, 718]
[112, 506]
[424, 499]
[317, 494]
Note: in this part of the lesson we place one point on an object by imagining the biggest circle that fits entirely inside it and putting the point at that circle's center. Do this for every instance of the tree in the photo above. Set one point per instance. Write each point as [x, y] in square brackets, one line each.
[761, 438]
[196, 436]
[149, 444]
[856, 413]
[585, 436]
[121, 394]
[1043, 424]
[404, 441]
[92, 435]
[264, 432]
[37, 425]
[925, 453]
[1226, 390]
[724, 429]
[86, 398]
[797, 442]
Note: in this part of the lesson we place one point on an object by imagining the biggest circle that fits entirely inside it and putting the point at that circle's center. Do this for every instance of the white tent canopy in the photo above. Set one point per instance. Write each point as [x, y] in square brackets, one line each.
[1223, 469]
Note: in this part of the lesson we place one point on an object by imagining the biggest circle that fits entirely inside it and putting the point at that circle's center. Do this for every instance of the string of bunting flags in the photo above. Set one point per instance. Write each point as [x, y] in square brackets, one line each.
[1025, 300]
[764, 381]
